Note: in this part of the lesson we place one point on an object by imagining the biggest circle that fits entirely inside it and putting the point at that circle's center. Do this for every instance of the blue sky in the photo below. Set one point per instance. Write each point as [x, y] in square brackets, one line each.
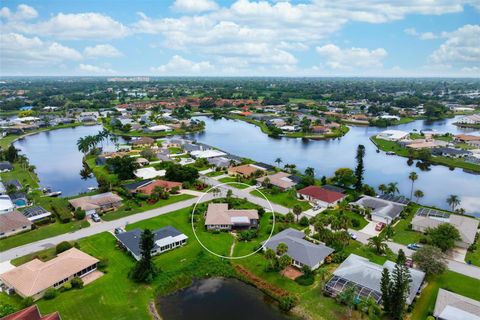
[241, 38]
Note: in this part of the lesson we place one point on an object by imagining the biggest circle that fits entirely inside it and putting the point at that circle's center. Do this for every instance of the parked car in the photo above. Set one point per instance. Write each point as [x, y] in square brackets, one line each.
[352, 235]
[414, 246]
[118, 230]
[96, 217]
[380, 226]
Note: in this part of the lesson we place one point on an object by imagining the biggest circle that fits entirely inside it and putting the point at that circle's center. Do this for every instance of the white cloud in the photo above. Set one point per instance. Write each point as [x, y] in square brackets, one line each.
[18, 50]
[461, 49]
[421, 35]
[194, 5]
[351, 58]
[102, 50]
[180, 66]
[91, 69]
[23, 12]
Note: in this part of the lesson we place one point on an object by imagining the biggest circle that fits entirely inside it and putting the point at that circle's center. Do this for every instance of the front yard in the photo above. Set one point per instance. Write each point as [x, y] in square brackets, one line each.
[285, 198]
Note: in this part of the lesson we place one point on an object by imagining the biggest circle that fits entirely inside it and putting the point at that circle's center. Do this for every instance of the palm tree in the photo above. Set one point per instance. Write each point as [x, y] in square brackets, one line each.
[82, 145]
[412, 176]
[282, 248]
[453, 201]
[310, 171]
[378, 243]
[392, 188]
[297, 210]
[383, 188]
[278, 161]
[418, 194]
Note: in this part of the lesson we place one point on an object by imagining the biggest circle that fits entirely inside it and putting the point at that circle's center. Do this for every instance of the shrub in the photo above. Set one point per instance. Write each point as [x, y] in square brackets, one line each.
[62, 246]
[27, 302]
[67, 286]
[102, 264]
[50, 294]
[304, 222]
[77, 283]
[286, 303]
[79, 214]
[63, 214]
[305, 280]
[355, 223]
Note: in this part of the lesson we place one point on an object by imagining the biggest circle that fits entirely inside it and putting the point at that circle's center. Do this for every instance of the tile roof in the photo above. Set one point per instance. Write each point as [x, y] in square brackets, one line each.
[31, 313]
[13, 220]
[95, 201]
[168, 185]
[218, 213]
[321, 194]
[245, 170]
[279, 179]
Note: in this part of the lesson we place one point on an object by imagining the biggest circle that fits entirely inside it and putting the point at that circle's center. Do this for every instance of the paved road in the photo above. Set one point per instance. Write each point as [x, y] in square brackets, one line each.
[456, 266]
[246, 194]
[95, 229]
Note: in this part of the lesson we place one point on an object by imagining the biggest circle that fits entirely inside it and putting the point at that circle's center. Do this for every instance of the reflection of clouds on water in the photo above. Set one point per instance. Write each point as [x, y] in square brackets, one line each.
[205, 287]
[470, 204]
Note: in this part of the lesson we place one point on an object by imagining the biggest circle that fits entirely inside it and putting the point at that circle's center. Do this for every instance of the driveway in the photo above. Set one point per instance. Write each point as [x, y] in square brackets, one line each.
[310, 213]
[370, 229]
[458, 254]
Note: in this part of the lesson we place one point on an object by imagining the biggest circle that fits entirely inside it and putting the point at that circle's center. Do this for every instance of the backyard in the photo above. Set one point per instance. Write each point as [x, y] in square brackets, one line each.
[285, 198]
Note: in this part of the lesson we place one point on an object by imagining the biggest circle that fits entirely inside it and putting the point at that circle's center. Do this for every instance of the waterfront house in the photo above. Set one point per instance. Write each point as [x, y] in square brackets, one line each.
[381, 210]
[219, 217]
[246, 170]
[160, 128]
[365, 277]
[302, 252]
[221, 162]
[450, 152]
[164, 184]
[6, 204]
[466, 138]
[36, 213]
[132, 187]
[392, 135]
[165, 239]
[32, 313]
[320, 196]
[143, 142]
[97, 203]
[33, 278]
[452, 306]
[5, 166]
[149, 173]
[470, 119]
[13, 222]
[281, 180]
[19, 199]
[426, 218]
[205, 154]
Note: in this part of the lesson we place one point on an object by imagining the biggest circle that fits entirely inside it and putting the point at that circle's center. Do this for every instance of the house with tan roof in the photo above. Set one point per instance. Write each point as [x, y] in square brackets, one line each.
[452, 306]
[167, 185]
[219, 217]
[431, 218]
[281, 180]
[246, 170]
[97, 203]
[33, 278]
[12, 223]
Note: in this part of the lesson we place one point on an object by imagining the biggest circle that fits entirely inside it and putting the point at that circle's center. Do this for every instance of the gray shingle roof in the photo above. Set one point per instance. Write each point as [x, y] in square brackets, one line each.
[131, 239]
[381, 207]
[299, 249]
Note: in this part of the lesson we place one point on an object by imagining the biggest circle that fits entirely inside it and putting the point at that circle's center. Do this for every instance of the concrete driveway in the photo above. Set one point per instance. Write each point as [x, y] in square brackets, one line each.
[370, 229]
[457, 254]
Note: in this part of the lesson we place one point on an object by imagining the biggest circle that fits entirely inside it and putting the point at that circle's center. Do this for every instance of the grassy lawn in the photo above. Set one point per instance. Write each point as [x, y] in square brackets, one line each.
[286, 198]
[235, 185]
[124, 211]
[369, 253]
[451, 281]
[21, 174]
[43, 232]
[474, 256]
[215, 173]
[404, 235]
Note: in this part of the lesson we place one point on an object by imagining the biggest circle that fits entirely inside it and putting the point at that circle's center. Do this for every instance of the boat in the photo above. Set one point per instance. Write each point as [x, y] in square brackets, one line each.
[390, 153]
[53, 194]
[92, 188]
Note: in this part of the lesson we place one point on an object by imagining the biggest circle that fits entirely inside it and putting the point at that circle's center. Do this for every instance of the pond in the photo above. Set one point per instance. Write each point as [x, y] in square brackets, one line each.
[57, 160]
[325, 156]
[218, 299]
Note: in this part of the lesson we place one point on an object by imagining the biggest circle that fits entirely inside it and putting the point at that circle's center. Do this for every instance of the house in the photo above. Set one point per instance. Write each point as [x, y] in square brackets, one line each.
[36, 213]
[160, 128]
[143, 142]
[14, 183]
[302, 252]
[381, 210]
[33, 278]
[6, 204]
[450, 152]
[466, 138]
[166, 185]
[392, 135]
[366, 276]
[5, 166]
[245, 170]
[264, 166]
[132, 187]
[97, 203]
[470, 119]
[219, 217]
[19, 199]
[32, 313]
[205, 154]
[426, 218]
[281, 180]
[149, 173]
[142, 161]
[165, 239]
[221, 162]
[452, 306]
[13, 222]
[320, 196]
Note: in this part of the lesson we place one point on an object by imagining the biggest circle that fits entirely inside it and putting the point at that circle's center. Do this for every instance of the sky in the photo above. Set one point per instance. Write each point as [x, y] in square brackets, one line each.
[384, 38]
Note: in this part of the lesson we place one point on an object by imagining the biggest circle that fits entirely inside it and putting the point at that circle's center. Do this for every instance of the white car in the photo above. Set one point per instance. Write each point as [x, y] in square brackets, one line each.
[353, 235]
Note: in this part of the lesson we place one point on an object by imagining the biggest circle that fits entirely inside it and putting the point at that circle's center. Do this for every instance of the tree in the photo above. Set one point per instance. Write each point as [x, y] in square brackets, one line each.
[282, 248]
[359, 170]
[79, 214]
[378, 243]
[348, 298]
[310, 172]
[297, 210]
[453, 201]
[389, 231]
[400, 287]
[50, 293]
[413, 177]
[278, 161]
[284, 261]
[344, 177]
[6, 309]
[179, 173]
[77, 283]
[11, 154]
[145, 270]
[383, 188]
[385, 287]
[124, 167]
[444, 236]
[392, 188]
[430, 259]
[418, 194]
[63, 246]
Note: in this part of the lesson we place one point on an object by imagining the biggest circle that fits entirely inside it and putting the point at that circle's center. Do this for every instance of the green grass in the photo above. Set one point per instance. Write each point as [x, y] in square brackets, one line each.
[349, 214]
[43, 232]
[235, 185]
[451, 281]
[285, 198]
[359, 249]
[474, 256]
[23, 175]
[123, 212]
[215, 173]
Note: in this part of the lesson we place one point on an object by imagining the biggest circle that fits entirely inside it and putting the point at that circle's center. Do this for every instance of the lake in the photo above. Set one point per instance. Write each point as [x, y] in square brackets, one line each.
[218, 299]
[57, 159]
[325, 156]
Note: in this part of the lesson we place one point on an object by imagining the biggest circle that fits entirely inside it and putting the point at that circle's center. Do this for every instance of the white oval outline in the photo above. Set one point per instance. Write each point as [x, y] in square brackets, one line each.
[219, 255]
